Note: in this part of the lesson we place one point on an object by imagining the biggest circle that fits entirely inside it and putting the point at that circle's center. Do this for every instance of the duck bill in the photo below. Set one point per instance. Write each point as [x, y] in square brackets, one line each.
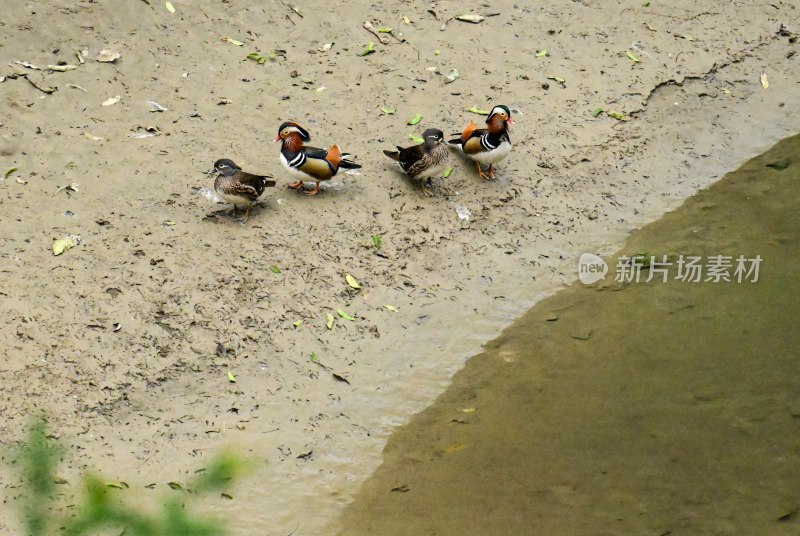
[277, 138]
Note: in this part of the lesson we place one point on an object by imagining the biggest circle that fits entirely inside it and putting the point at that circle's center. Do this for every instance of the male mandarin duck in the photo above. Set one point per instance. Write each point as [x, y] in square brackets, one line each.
[238, 187]
[487, 145]
[305, 163]
[424, 161]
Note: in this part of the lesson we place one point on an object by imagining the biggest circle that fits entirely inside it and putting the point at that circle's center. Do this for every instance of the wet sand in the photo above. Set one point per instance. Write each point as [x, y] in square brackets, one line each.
[623, 407]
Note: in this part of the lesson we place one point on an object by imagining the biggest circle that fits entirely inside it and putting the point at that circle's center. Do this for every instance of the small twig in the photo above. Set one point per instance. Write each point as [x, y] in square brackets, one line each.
[371, 29]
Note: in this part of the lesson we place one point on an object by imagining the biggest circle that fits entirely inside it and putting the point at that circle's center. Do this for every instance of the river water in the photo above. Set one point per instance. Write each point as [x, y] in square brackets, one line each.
[669, 406]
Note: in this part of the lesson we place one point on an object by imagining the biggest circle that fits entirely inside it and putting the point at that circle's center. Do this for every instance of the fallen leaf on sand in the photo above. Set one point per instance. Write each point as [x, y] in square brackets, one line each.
[352, 281]
[447, 172]
[344, 315]
[9, 171]
[231, 377]
[416, 119]
[329, 320]
[557, 79]
[369, 49]
[170, 7]
[619, 116]
[62, 68]
[391, 308]
[297, 323]
[274, 269]
[93, 138]
[455, 448]
[470, 17]
[111, 101]
[452, 76]
[633, 58]
[388, 111]
[65, 244]
[233, 41]
[478, 111]
[764, 80]
[541, 53]
[107, 56]
[415, 138]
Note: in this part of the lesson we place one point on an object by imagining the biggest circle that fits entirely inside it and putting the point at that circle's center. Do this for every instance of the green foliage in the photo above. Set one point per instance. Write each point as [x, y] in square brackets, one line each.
[102, 507]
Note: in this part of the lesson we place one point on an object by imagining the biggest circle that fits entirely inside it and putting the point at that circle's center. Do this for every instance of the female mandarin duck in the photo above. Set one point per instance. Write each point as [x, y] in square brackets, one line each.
[239, 187]
[306, 163]
[424, 161]
[487, 145]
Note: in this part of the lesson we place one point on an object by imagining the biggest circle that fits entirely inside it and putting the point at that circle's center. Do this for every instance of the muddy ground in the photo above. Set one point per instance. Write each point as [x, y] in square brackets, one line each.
[125, 341]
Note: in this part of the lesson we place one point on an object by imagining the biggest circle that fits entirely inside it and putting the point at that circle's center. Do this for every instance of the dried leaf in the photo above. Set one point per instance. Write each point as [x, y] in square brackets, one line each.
[351, 281]
[541, 53]
[115, 485]
[388, 111]
[340, 378]
[344, 315]
[452, 76]
[329, 320]
[65, 244]
[370, 48]
[633, 58]
[44, 89]
[62, 68]
[170, 7]
[26, 64]
[390, 308]
[9, 171]
[470, 17]
[107, 56]
[111, 101]
[231, 377]
[376, 241]
[618, 116]
[764, 80]
[414, 120]
[233, 41]
[275, 269]
[478, 111]
[156, 107]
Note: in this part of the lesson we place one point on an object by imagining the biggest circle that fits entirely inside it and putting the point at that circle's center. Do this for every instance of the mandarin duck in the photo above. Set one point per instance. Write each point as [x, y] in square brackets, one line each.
[424, 161]
[238, 187]
[487, 145]
[306, 163]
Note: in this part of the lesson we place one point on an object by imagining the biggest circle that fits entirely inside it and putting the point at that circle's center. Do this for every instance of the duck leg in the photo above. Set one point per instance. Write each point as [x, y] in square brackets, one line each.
[295, 185]
[246, 215]
[481, 174]
[315, 191]
[425, 188]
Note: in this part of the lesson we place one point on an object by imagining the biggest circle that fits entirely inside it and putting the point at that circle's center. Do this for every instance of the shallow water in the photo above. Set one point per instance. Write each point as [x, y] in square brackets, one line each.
[623, 407]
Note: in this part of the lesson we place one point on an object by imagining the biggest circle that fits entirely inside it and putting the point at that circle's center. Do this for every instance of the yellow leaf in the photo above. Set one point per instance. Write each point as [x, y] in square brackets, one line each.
[633, 58]
[329, 320]
[390, 308]
[455, 448]
[60, 246]
[764, 80]
[469, 410]
[170, 7]
[231, 378]
[352, 281]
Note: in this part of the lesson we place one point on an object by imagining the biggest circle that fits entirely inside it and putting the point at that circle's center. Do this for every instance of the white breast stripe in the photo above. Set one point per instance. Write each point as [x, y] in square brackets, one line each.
[485, 142]
[298, 160]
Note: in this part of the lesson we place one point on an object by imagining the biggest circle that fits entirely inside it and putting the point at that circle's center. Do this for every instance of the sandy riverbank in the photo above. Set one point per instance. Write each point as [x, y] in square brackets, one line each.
[154, 393]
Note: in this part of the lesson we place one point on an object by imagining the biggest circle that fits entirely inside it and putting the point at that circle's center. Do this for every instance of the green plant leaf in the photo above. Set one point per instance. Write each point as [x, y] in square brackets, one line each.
[618, 116]
[313, 357]
[478, 111]
[597, 112]
[377, 240]
[275, 269]
[170, 7]
[370, 48]
[297, 323]
[447, 172]
[414, 120]
[415, 138]
[633, 58]
[388, 111]
[231, 377]
[351, 281]
[9, 171]
[344, 315]
[541, 53]
[557, 79]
